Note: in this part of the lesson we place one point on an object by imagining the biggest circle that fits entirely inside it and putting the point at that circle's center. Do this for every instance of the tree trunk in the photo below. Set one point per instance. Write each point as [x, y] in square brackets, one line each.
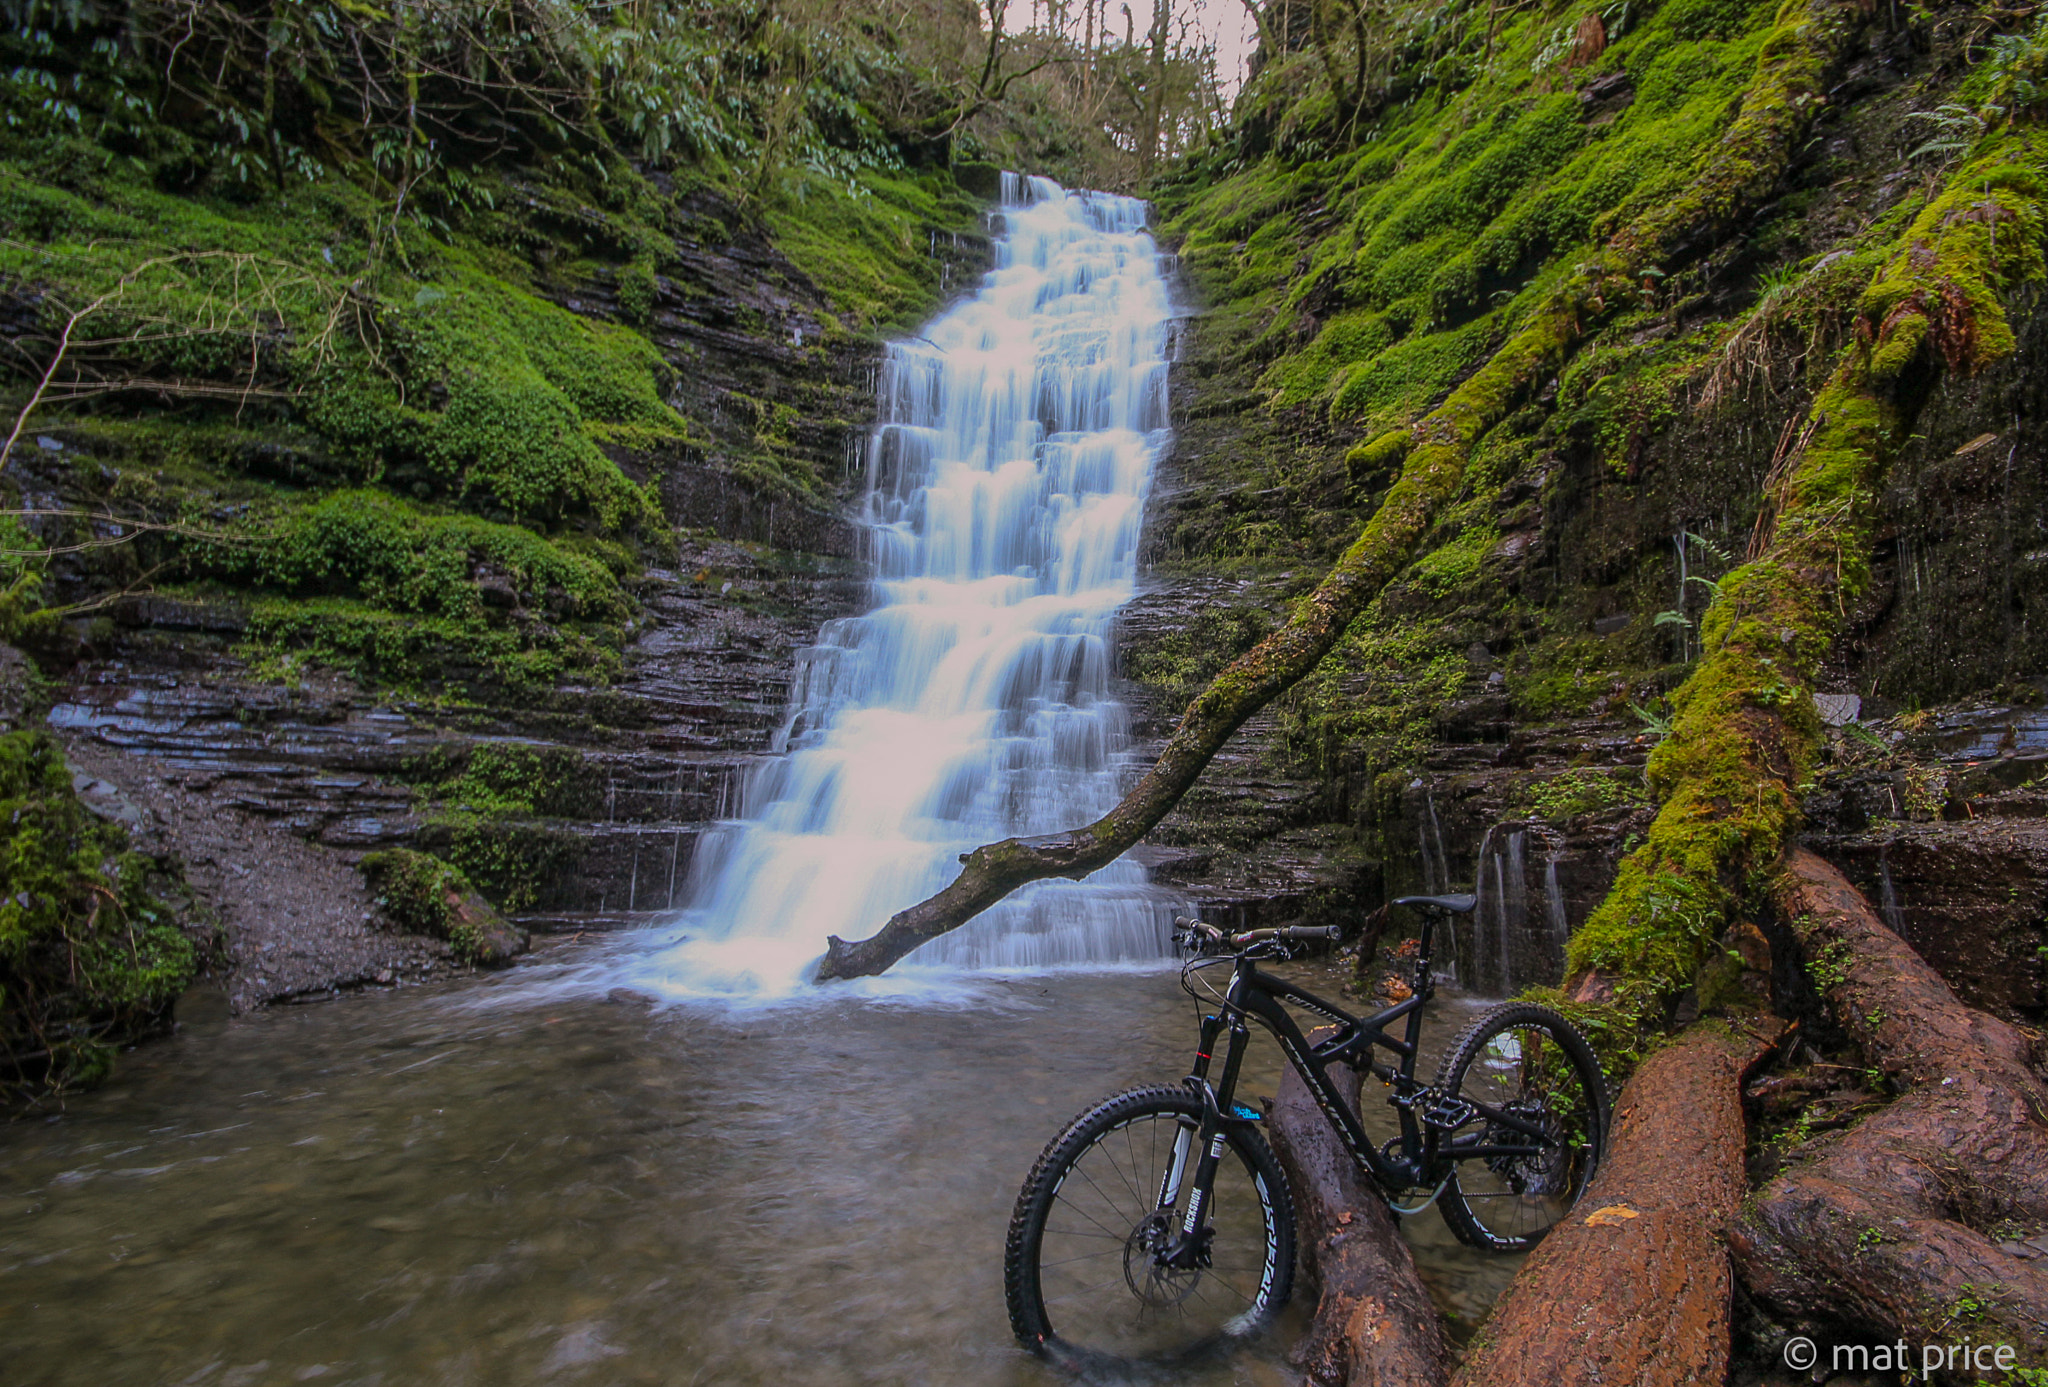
[1374, 1323]
[1634, 1286]
[1739, 170]
[1892, 1229]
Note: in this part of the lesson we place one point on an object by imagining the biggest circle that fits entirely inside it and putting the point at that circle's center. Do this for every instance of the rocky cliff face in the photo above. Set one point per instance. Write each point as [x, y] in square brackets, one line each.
[574, 806]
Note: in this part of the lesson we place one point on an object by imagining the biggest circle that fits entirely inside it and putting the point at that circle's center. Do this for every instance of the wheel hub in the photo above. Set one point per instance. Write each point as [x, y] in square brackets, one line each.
[1160, 1270]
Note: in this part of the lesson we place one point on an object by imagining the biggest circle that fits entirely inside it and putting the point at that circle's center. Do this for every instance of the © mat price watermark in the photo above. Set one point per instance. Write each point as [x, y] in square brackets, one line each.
[1967, 1355]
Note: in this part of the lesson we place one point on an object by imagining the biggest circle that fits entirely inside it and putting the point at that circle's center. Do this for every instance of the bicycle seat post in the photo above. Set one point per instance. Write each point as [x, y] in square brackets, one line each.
[1425, 950]
[1430, 908]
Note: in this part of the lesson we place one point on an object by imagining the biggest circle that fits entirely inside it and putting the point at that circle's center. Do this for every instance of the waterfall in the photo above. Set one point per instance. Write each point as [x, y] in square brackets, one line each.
[1006, 484]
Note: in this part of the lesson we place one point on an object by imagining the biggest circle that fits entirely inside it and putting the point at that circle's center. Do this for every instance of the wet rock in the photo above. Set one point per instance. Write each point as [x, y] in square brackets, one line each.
[1837, 710]
[491, 940]
[104, 799]
[1970, 898]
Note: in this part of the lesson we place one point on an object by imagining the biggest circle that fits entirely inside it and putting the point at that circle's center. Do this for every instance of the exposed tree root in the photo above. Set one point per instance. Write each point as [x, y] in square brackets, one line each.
[1736, 174]
[1887, 1230]
[1374, 1323]
[1634, 1286]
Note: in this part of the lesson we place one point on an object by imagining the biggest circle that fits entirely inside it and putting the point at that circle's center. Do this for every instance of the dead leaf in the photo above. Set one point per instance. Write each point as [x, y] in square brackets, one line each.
[1613, 1216]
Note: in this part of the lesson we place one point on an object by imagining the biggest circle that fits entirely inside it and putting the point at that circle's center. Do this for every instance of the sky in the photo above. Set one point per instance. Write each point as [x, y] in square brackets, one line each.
[1224, 23]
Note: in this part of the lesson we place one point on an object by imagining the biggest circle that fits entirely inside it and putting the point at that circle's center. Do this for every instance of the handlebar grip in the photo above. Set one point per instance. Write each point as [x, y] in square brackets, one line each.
[1329, 932]
[1185, 922]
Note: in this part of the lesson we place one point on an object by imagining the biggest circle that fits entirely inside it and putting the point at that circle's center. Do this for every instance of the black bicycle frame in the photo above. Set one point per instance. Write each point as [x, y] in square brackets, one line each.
[1259, 996]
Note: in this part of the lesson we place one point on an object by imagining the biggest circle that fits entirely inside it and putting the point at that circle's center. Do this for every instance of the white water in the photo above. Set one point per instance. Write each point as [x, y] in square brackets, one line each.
[1006, 487]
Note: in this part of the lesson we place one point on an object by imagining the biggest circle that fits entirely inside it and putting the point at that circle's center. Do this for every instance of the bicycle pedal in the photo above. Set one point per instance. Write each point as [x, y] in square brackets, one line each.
[1449, 1114]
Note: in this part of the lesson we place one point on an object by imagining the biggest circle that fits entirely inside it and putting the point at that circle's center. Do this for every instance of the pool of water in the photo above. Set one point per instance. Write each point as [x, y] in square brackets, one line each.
[523, 1181]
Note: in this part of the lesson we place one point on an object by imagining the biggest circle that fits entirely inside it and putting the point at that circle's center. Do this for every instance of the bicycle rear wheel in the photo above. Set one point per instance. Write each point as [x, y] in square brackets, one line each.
[1530, 1159]
[1084, 1283]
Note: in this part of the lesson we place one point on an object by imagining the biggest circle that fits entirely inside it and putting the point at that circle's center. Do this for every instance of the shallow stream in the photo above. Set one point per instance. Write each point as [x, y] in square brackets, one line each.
[531, 1180]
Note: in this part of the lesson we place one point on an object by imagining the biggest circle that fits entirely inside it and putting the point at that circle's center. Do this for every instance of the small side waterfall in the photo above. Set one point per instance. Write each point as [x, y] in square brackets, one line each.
[1006, 487]
[1512, 939]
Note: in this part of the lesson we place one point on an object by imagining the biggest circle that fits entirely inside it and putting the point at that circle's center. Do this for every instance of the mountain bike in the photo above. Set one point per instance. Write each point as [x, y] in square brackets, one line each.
[1158, 1226]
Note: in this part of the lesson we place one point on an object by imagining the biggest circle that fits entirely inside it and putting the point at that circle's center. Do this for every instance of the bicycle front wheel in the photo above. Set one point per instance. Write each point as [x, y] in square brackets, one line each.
[1534, 1133]
[1084, 1273]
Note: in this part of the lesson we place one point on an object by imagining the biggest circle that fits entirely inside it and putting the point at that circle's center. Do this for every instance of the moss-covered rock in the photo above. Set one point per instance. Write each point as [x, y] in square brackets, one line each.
[420, 893]
[91, 956]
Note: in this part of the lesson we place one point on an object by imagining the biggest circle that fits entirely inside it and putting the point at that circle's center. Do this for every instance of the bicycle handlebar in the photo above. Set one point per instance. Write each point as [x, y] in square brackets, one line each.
[1186, 926]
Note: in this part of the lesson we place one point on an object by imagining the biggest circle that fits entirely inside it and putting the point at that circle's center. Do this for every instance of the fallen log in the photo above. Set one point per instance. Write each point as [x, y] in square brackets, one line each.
[1894, 1230]
[1634, 1285]
[1374, 1323]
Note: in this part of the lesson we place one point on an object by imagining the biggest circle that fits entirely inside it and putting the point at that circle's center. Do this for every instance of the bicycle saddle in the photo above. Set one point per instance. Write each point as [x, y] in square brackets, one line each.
[1456, 905]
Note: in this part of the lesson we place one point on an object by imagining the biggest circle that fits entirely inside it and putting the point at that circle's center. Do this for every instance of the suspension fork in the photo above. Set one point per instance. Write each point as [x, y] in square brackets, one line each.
[1191, 1247]
[1184, 1138]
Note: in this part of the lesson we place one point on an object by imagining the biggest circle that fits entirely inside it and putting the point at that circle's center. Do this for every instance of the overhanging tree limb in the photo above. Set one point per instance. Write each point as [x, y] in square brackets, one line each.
[1810, 37]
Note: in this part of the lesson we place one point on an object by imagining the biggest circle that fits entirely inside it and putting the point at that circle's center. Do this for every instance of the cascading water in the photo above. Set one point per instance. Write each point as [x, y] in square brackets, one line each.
[1006, 488]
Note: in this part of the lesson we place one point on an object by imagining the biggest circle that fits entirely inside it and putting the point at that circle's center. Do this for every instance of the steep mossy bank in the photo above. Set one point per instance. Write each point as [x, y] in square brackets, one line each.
[1357, 270]
[449, 460]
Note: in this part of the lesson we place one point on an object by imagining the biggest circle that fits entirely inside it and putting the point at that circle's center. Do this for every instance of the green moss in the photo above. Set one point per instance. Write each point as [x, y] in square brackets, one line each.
[489, 778]
[1183, 661]
[514, 861]
[487, 812]
[468, 655]
[400, 594]
[1401, 382]
[1575, 792]
[89, 955]
[1371, 704]
[866, 243]
[1453, 564]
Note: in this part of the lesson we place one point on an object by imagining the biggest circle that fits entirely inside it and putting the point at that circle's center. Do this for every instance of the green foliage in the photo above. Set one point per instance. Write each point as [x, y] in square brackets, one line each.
[89, 955]
[866, 238]
[1829, 968]
[266, 95]
[21, 578]
[1584, 791]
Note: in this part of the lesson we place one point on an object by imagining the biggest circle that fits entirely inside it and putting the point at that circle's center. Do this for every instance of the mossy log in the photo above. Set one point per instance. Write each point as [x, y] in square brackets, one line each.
[1651, 1223]
[1374, 1323]
[1809, 40]
[1890, 1230]
[1744, 731]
